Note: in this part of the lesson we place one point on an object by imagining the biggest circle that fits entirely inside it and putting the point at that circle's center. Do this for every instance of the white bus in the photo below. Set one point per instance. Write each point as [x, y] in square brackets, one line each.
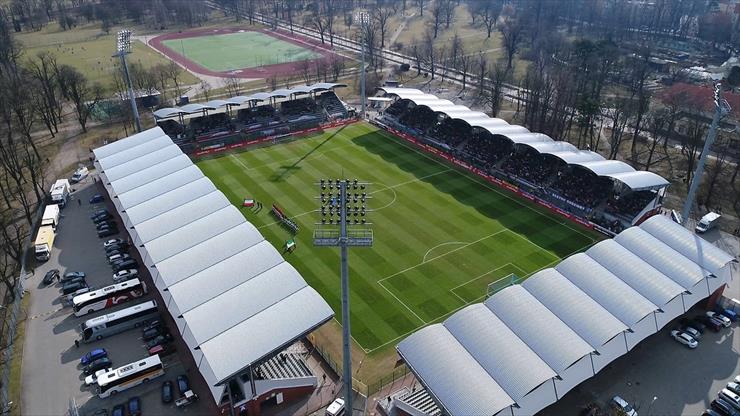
[108, 297]
[130, 375]
[119, 321]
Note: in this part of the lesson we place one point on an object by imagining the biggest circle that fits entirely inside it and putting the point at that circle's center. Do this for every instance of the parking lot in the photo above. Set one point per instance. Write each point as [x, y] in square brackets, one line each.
[685, 381]
[51, 376]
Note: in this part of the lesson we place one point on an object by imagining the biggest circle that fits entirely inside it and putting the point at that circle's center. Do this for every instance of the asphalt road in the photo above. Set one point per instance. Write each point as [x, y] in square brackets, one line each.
[51, 378]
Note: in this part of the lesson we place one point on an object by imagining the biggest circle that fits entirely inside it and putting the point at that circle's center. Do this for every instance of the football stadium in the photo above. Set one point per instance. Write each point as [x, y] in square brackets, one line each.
[477, 226]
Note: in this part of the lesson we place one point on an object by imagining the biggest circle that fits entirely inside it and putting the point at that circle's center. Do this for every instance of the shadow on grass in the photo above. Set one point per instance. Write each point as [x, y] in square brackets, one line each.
[520, 216]
[287, 170]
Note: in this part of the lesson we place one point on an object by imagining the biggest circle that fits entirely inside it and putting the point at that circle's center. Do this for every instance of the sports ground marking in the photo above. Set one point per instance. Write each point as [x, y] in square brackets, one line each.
[371, 193]
[486, 274]
[423, 259]
[479, 181]
[370, 351]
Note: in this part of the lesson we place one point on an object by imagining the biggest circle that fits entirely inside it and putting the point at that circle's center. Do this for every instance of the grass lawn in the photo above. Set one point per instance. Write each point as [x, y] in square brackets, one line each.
[239, 50]
[441, 235]
[89, 50]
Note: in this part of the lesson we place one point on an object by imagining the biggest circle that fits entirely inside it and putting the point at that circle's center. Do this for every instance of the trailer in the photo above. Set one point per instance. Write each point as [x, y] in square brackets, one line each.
[44, 242]
[51, 216]
[60, 192]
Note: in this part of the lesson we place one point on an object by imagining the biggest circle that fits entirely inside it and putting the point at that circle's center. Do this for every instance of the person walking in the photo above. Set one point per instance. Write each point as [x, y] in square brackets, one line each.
[79, 202]
[77, 344]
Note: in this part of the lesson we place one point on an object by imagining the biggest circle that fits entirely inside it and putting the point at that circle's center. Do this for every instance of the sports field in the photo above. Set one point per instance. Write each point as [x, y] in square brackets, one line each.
[239, 50]
[441, 234]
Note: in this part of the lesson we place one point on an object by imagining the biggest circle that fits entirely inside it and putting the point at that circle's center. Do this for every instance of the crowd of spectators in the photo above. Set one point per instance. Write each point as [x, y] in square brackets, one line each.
[398, 108]
[332, 104]
[210, 123]
[451, 132]
[299, 107]
[421, 118]
[529, 165]
[629, 205]
[484, 150]
[581, 186]
[257, 114]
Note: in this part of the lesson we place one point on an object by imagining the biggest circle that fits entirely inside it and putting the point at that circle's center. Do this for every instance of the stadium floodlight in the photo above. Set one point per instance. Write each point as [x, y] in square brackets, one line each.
[123, 48]
[343, 222]
[721, 108]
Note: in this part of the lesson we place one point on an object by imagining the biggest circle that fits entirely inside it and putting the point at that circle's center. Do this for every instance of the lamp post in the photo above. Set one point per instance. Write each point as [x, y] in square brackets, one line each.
[363, 18]
[343, 223]
[123, 48]
[721, 108]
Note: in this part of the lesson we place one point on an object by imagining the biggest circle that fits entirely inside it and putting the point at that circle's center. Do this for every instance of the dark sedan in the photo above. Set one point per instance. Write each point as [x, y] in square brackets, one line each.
[50, 276]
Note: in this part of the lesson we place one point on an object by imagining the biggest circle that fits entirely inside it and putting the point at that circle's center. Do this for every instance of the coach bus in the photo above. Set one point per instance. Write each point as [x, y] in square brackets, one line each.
[130, 375]
[108, 297]
[119, 321]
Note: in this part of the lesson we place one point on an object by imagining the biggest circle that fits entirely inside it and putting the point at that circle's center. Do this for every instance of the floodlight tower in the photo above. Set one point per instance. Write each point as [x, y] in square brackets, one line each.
[123, 48]
[343, 205]
[721, 108]
[364, 19]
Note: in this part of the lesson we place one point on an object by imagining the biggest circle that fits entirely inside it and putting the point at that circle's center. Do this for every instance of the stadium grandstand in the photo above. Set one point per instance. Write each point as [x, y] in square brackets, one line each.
[218, 123]
[239, 307]
[528, 344]
[609, 195]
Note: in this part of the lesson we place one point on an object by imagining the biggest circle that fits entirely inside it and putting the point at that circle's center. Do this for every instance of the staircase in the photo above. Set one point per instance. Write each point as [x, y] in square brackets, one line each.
[285, 365]
[418, 402]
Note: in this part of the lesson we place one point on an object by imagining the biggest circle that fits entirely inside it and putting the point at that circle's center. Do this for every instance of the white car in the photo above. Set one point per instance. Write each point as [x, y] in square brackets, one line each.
[691, 331]
[124, 275]
[734, 387]
[118, 257]
[684, 338]
[113, 241]
[622, 405]
[92, 378]
[725, 320]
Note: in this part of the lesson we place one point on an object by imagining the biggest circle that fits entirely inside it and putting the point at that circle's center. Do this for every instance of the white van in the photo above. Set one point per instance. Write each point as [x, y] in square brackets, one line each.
[336, 408]
[707, 222]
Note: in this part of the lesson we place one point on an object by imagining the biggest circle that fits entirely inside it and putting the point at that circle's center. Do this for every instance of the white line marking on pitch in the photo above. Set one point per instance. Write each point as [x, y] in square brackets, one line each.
[401, 302]
[239, 161]
[424, 259]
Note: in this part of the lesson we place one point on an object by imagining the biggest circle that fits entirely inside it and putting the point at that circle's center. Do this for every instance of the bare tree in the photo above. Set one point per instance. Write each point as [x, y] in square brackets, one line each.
[304, 67]
[233, 86]
[429, 53]
[205, 89]
[449, 11]
[77, 89]
[381, 17]
[437, 14]
[511, 31]
[465, 63]
[492, 90]
[490, 14]
[416, 52]
[173, 72]
[337, 66]
[50, 103]
[420, 3]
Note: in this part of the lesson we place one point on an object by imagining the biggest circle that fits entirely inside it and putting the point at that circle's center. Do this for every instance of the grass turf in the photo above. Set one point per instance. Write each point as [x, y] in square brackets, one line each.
[441, 234]
[239, 50]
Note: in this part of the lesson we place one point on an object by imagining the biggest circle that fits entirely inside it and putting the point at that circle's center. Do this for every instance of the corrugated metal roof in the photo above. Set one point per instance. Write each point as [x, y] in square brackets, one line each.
[170, 200]
[194, 233]
[263, 333]
[553, 341]
[667, 260]
[243, 301]
[225, 275]
[651, 283]
[692, 246]
[127, 143]
[580, 312]
[451, 374]
[617, 297]
[514, 366]
[212, 251]
[181, 215]
[147, 175]
[159, 187]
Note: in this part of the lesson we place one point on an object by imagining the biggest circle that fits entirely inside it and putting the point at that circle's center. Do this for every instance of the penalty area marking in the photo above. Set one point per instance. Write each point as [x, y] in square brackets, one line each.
[424, 259]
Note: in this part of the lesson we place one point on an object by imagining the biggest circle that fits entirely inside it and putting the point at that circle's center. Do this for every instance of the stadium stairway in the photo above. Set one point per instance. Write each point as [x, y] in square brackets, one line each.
[418, 402]
[285, 365]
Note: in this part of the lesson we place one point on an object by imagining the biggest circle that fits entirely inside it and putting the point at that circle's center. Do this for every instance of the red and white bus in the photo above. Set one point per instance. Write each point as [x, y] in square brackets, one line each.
[108, 296]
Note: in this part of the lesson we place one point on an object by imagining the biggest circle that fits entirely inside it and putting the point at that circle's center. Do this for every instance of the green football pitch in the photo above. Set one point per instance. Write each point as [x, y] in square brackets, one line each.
[238, 50]
[441, 234]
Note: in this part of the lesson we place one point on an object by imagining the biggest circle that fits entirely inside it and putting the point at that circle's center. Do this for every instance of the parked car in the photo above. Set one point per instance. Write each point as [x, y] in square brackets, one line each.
[124, 275]
[97, 198]
[128, 264]
[50, 276]
[725, 320]
[102, 217]
[119, 410]
[99, 412]
[162, 350]
[152, 333]
[723, 407]
[115, 258]
[684, 338]
[621, 404]
[695, 333]
[183, 384]
[98, 212]
[93, 355]
[74, 280]
[72, 287]
[167, 392]
[91, 379]
[711, 323]
[117, 247]
[158, 340]
[70, 275]
[117, 263]
[153, 324]
[107, 232]
[710, 412]
[105, 224]
[733, 387]
[730, 397]
[730, 314]
[134, 406]
[113, 241]
[115, 252]
[99, 364]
